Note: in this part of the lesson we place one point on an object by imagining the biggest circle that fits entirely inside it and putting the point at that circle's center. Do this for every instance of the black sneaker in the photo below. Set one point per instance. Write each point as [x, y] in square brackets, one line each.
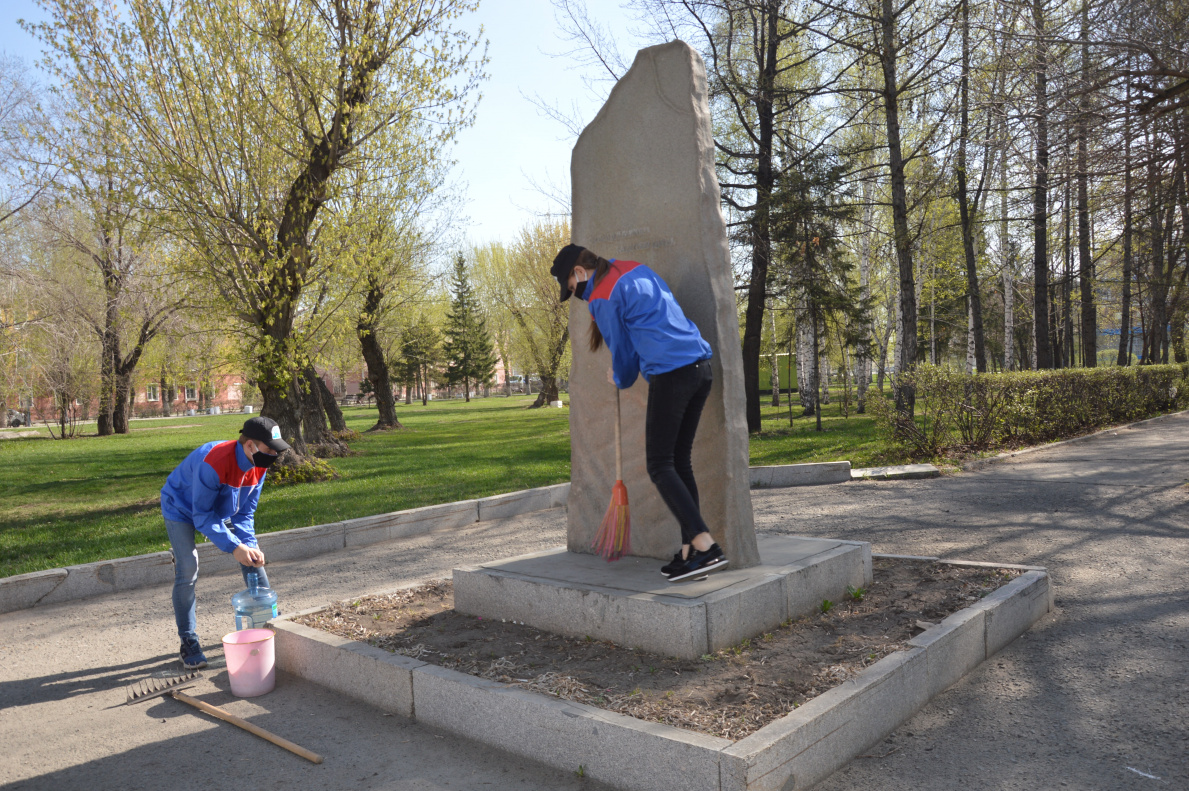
[700, 564]
[192, 656]
[673, 565]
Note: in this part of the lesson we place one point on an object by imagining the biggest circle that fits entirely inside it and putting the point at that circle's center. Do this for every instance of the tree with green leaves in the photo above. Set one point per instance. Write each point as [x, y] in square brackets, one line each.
[810, 205]
[245, 118]
[420, 354]
[515, 280]
[468, 351]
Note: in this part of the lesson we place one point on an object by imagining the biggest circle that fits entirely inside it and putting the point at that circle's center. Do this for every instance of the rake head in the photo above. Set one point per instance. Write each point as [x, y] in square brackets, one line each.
[155, 687]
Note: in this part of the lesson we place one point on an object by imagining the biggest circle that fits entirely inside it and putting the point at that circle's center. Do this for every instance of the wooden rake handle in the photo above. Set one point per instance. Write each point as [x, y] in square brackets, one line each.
[618, 444]
[215, 711]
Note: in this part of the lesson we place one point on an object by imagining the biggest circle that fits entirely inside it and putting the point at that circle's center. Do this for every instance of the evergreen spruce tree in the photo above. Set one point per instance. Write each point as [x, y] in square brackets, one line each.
[468, 350]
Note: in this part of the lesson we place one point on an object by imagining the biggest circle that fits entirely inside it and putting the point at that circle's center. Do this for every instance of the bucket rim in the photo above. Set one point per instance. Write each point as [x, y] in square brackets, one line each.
[271, 634]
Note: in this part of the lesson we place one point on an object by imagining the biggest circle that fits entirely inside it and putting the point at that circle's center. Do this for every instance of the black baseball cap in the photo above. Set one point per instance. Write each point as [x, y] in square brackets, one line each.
[563, 264]
[266, 430]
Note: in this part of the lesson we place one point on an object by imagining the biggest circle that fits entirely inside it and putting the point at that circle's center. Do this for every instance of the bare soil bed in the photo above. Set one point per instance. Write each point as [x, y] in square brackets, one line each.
[730, 693]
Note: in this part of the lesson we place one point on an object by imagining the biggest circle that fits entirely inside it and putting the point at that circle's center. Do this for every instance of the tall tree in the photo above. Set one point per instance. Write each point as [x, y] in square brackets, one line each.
[420, 353]
[99, 214]
[1085, 260]
[245, 116]
[467, 349]
[517, 280]
[966, 205]
[1041, 313]
[810, 207]
[759, 69]
[1125, 300]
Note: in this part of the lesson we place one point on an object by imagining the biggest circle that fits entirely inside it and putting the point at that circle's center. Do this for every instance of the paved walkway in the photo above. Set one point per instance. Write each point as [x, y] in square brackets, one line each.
[1094, 692]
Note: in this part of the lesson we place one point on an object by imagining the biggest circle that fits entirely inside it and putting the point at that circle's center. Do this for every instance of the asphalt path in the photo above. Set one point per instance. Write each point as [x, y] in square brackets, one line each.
[1093, 697]
[1094, 694]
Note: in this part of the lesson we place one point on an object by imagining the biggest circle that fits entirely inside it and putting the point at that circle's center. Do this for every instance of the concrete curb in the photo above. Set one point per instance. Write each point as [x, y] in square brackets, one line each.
[109, 576]
[779, 476]
[794, 752]
[975, 464]
[898, 472]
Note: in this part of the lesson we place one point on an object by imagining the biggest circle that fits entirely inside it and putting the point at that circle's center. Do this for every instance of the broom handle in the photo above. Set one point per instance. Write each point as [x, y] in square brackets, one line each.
[618, 449]
[215, 711]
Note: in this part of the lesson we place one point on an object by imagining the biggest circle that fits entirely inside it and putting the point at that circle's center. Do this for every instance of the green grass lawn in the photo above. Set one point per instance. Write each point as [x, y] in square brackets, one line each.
[95, 498]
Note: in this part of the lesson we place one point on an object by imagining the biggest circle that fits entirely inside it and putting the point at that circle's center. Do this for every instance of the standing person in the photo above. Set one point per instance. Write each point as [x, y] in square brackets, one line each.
[634, 312]
[215, 492]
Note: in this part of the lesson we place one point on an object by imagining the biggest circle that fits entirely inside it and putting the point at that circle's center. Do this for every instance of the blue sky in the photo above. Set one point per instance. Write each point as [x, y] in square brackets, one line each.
[512, 144]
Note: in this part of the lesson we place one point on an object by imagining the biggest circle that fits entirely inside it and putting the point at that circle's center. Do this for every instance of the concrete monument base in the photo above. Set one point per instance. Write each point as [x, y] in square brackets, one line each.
[792, 753]
[630, 603]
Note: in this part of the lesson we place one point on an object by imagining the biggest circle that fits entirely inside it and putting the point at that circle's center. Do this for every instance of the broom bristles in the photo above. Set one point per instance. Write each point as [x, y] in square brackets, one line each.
[614, 539]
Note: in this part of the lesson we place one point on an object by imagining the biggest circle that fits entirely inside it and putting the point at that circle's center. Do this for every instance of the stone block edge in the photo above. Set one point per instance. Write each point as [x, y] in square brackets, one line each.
[732, 758]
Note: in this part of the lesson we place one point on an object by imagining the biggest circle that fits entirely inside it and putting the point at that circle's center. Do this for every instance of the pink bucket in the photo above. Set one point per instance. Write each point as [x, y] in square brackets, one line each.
[251, 661]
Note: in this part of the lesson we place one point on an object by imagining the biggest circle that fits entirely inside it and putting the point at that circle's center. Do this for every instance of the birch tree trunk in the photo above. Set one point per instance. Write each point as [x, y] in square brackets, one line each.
[806, 384]
[971, 364]
[883, 355]
[775, 363]
[824, 373]
[863, 357]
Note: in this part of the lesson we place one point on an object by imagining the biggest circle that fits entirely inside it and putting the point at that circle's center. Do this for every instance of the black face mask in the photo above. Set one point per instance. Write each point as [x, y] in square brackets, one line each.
[265, 460]
[580, 288]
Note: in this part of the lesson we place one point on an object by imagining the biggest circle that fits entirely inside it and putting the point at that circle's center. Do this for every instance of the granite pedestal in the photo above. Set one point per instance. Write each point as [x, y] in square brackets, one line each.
[630, 603]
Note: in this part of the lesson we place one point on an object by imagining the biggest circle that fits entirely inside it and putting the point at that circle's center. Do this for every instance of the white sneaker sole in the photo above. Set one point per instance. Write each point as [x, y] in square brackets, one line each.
[700, 573]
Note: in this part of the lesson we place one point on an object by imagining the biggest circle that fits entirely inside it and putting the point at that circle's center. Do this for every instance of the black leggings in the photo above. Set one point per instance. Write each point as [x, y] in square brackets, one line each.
[675, 401]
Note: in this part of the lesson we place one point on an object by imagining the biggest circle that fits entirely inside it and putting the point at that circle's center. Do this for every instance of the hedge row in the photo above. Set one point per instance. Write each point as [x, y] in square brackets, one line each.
[957, 413]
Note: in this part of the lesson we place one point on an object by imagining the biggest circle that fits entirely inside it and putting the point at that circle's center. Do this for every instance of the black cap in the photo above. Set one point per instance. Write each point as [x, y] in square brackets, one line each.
[266, 430]
[563, 264]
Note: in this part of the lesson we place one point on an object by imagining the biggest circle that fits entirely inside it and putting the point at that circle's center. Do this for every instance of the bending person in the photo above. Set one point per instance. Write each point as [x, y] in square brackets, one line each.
[214, 491]
[634, 313]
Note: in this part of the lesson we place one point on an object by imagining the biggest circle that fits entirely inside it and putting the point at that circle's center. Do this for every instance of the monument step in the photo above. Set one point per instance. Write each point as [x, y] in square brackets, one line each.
[630, 604]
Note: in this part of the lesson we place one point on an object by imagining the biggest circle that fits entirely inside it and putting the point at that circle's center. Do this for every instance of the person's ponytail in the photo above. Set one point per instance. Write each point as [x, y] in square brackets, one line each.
[599, 266]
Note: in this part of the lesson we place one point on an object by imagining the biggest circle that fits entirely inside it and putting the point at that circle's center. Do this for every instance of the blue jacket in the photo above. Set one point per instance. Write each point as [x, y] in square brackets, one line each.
[642, 324]
[216, 489]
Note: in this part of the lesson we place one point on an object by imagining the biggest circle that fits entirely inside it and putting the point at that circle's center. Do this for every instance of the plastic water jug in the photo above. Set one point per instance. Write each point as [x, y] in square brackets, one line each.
[254, 606]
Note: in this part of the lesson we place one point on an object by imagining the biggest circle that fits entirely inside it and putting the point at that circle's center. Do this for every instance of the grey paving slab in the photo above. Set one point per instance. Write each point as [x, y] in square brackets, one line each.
[642, 575]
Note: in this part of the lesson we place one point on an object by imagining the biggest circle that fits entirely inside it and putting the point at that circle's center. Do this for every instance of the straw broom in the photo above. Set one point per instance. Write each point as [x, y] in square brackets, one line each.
[614, 539]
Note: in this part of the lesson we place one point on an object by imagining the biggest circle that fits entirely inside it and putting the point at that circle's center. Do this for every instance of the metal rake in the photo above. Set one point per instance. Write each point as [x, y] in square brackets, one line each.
[158, 687]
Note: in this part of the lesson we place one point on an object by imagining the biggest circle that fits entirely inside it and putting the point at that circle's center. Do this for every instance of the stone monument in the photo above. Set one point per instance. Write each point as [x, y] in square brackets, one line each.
[644, 189]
